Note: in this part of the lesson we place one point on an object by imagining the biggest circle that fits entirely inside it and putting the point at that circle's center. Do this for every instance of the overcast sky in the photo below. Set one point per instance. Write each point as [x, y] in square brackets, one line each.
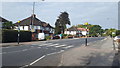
[97, 13]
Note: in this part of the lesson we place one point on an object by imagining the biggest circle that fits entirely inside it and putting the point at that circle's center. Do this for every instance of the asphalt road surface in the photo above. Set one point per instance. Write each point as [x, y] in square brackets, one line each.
[27, 54]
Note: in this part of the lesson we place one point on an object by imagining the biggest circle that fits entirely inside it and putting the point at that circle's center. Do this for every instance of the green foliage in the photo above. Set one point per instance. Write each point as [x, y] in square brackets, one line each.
[109, 32]
[60, 24]
[48, 37]
[94, 30]
[8, 25]
[65, 35]
[12, 35]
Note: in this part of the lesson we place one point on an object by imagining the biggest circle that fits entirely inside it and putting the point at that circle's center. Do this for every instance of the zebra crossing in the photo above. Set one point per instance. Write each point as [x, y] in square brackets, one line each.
[56, 45]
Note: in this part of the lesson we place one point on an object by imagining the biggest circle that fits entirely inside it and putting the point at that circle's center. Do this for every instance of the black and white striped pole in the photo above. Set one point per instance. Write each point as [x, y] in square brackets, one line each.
[18, 32]
[86, 34]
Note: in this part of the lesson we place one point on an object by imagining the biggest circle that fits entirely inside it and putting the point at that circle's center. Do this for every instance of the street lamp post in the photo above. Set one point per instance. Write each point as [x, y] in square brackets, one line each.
[18, 31]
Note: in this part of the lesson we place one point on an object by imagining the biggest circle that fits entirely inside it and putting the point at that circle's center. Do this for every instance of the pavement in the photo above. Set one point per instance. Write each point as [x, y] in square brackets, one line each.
[95, 54]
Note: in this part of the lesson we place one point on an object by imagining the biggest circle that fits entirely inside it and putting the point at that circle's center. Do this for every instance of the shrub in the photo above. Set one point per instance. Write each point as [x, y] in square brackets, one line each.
[48, 37]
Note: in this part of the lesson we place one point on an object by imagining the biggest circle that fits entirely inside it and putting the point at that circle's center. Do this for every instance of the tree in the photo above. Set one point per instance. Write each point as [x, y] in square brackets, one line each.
[7, 25]
[57, 27]
[94, 30]
[61, 22]
[109, 32]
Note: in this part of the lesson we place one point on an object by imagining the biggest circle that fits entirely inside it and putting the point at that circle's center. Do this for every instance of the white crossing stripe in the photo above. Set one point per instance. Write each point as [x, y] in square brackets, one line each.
[61, 46]
[45, 44]
[52, 45]
[68, 47]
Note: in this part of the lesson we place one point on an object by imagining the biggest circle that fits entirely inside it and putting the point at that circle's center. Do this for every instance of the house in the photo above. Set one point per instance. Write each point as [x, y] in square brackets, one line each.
[76, 31]
[2, 20]
[83, 31]
[35, 25]
[71, 31]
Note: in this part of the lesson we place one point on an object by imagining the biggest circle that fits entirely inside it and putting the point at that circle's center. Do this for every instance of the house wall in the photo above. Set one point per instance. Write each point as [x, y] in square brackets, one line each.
[70, 32]
[26, 28]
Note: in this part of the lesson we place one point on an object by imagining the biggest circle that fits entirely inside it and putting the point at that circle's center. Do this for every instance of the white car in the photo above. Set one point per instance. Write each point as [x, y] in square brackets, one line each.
[117, 39]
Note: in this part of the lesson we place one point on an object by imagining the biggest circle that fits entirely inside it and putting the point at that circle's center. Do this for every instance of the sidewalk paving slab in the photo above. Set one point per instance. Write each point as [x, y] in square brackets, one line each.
[98, 54]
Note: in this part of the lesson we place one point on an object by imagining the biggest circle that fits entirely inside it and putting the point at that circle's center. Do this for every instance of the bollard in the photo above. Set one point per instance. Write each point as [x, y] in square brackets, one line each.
[114, 45]
[18, 37]
[85, 41]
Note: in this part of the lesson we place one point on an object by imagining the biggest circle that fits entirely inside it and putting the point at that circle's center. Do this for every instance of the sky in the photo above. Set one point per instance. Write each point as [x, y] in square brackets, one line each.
[104, 14]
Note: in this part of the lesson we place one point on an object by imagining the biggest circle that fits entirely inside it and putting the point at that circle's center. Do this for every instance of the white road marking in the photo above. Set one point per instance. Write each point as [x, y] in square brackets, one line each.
[39, 47]
[37, 60]
[68, 47]
[32, 46]
[75, 38]
[61, 46]
[25, 50]
[44, 44]
[52, 53]
[18, 51]
[52, 45]
[56, 52]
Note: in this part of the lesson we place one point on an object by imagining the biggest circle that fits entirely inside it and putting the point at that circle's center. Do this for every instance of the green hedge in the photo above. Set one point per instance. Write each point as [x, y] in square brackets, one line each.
[12, 36]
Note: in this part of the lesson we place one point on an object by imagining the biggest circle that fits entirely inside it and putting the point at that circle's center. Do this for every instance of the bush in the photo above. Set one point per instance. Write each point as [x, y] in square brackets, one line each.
[12, 36]
[48, 37]
[65, 35]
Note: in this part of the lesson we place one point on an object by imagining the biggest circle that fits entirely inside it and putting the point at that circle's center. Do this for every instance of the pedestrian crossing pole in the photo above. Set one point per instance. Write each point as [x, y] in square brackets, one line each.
[85, 41]
[86, 33]
[18, 31]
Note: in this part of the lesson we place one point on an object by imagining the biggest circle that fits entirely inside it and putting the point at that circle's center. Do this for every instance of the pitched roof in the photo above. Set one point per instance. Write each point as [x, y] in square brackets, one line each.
[82, 29]
[77, 29]
[29, 20]
[3, 20]
[46, 25]
[72, 29]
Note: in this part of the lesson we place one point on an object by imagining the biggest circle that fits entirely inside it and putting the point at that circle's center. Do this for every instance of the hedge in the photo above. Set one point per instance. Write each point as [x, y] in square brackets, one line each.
[12, 36]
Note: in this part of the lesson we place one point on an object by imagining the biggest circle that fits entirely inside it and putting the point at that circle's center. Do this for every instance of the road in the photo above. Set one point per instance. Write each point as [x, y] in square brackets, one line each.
[30, 54]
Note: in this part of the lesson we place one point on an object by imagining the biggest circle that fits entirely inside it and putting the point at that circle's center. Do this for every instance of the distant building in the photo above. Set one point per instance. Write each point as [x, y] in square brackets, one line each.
[76, 31]
[35, 25]
[2, 20]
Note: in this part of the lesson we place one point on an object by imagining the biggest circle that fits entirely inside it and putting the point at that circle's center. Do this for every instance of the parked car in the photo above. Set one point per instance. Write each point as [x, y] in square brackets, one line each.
[56, 37]
[117, 39]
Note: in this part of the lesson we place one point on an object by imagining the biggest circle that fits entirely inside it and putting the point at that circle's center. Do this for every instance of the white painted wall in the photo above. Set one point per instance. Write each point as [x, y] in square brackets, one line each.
[25, 27]
[21, 28]
[70, 32]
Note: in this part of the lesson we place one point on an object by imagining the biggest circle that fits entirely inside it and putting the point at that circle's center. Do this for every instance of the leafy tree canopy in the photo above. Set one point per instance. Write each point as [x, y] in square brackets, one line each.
[61, 22]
